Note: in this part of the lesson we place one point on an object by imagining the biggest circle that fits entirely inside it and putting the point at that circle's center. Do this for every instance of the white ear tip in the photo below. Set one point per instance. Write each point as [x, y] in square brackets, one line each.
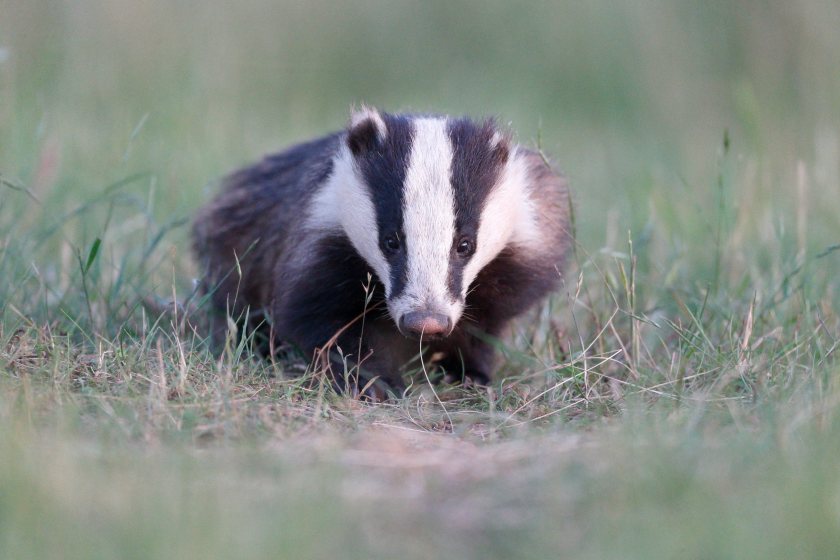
[496, 139]
[364, 114]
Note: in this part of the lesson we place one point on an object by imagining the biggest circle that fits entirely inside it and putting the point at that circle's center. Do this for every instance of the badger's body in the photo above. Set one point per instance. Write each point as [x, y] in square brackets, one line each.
[453, 230]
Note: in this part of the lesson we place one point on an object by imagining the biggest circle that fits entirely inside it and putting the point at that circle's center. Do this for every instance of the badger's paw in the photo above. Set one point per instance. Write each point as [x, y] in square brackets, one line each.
[467, 378]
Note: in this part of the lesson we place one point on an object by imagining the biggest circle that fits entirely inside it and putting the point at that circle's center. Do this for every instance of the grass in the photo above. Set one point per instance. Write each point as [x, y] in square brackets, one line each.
[678, 398]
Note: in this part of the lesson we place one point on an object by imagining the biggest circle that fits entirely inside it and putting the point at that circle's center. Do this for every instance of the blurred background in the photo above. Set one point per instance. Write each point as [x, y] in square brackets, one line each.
[121, 115]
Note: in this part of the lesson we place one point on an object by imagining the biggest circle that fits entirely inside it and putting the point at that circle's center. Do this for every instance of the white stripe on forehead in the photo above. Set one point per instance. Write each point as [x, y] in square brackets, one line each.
[429, 212]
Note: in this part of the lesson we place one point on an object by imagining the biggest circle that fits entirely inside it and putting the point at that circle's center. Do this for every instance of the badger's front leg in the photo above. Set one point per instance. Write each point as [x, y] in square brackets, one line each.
[327, 304]
[466, 357]
[361, 362]
[359, 354]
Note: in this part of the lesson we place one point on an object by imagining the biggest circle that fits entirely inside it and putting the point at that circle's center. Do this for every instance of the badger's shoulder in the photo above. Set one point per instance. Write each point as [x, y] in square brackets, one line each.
[548, 192]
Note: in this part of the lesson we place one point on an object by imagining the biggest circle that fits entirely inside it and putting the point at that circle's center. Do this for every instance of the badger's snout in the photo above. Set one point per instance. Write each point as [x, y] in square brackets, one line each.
[426, 324]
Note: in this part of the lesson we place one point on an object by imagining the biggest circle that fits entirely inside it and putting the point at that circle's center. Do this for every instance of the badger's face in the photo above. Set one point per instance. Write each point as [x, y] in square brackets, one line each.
[427, 202]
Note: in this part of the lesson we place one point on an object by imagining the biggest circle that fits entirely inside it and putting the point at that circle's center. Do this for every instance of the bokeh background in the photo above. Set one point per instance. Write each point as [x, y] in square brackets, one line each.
[631, 100]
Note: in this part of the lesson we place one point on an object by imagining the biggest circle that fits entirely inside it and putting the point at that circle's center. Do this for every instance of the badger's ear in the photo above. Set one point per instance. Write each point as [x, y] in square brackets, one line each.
[367, 130]
[500, 146]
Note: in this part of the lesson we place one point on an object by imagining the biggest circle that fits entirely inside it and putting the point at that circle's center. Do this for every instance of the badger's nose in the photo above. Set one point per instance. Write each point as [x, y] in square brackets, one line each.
[432, 325]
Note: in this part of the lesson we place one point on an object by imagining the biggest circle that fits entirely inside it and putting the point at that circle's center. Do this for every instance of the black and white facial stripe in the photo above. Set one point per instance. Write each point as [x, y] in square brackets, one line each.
[427, 202]
[480, 154]
[381, 150]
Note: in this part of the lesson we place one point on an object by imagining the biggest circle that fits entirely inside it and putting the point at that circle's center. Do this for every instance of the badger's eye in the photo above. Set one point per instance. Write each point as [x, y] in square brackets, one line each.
[391, 243]
[465, 247]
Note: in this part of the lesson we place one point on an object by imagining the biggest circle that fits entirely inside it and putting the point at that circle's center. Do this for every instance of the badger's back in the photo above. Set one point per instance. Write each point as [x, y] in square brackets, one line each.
[240, 235]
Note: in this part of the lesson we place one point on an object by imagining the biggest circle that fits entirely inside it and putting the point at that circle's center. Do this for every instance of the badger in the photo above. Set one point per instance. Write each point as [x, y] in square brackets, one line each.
[401, 236]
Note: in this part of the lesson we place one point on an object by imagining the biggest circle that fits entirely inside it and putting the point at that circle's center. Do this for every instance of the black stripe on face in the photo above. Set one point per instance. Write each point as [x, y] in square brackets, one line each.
[477, 162]
[383, 166]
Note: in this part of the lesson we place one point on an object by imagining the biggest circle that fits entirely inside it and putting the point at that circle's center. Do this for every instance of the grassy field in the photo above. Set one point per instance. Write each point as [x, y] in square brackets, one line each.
[680, 398]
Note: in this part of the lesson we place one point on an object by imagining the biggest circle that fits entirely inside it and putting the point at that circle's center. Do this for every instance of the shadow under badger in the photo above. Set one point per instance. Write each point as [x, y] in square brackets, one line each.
[459, 229]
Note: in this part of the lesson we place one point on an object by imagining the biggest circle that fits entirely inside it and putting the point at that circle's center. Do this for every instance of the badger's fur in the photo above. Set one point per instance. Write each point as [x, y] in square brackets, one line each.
[459, 229]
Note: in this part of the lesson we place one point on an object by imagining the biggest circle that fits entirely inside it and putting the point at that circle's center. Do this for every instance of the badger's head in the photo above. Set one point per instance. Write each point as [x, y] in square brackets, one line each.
[428, 202]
